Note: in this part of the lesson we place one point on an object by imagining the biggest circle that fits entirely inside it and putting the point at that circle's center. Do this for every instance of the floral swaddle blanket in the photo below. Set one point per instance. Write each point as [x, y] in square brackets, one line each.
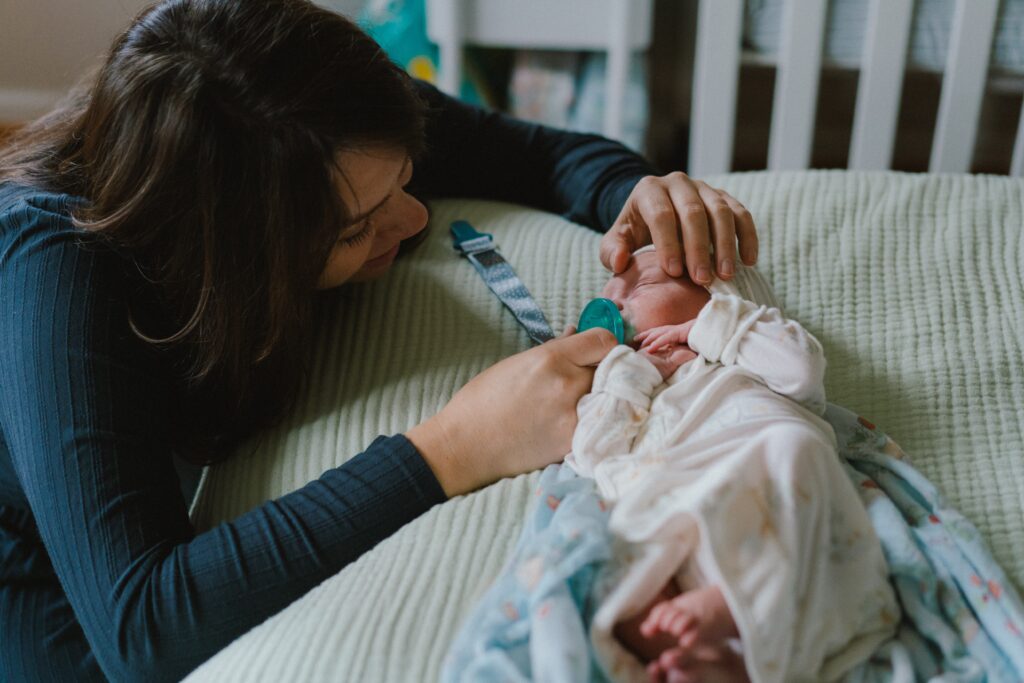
[962, 619]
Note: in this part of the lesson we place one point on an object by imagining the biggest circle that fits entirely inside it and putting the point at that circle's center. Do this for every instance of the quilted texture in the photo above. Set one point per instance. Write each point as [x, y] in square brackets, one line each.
[911, 282]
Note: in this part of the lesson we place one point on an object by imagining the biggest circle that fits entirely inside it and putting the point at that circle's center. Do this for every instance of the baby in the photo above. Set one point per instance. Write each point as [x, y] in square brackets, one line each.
[749, 552]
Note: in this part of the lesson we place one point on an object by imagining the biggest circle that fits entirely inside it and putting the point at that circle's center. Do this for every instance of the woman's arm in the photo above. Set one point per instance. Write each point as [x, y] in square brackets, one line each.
[473, 152]
[84, 409]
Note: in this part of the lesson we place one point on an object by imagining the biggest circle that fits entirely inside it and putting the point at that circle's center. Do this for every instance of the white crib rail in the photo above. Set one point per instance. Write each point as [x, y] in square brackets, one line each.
[716, 65]
[1017, 164]
[796, 85]
[880, 84]
[963, 86]
[715, 78]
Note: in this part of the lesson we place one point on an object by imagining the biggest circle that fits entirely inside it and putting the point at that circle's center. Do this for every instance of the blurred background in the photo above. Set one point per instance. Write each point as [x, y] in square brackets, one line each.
[554, 77]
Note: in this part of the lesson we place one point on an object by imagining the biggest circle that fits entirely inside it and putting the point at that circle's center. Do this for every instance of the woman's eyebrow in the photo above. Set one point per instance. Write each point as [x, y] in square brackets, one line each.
[366, 214]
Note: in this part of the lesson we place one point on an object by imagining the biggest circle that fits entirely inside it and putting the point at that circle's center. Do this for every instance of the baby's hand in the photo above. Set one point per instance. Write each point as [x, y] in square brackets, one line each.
[668, 359]
[667, 335]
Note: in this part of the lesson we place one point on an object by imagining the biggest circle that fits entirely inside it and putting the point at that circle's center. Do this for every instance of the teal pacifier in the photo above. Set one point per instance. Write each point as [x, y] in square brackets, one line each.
[604, 313]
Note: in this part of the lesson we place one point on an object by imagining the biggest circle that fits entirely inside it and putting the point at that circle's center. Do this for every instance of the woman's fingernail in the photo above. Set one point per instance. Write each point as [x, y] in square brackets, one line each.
[703, 274]
[726, 267]
[675, 267]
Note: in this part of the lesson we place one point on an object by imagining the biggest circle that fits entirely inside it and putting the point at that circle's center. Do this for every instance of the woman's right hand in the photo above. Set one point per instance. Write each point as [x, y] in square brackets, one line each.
[514, 417]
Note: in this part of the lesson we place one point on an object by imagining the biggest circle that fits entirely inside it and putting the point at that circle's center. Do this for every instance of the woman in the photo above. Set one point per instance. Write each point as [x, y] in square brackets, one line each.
[162, 236]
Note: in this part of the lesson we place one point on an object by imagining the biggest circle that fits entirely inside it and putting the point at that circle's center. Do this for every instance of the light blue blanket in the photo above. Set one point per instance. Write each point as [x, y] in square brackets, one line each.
[962, 619]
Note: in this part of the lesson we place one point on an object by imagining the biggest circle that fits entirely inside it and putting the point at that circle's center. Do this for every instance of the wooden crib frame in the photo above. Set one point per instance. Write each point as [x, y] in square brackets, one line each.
[716, 75]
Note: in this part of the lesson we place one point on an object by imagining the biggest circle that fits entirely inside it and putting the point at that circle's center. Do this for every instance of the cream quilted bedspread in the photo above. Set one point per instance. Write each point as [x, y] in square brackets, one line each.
[912, 282]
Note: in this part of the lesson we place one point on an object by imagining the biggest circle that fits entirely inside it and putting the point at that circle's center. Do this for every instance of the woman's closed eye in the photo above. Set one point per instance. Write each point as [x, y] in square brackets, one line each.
[364, 233]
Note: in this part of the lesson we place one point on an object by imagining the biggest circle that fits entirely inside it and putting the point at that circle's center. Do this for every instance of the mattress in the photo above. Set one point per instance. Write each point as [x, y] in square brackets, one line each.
[930, 31]
[911, 282]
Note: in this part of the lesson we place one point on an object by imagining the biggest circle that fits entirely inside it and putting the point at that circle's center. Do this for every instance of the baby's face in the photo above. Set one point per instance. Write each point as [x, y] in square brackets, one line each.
[648, 297]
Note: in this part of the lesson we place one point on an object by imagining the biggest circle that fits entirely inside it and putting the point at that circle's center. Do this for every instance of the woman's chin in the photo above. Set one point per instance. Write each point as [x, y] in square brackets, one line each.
[368, 273]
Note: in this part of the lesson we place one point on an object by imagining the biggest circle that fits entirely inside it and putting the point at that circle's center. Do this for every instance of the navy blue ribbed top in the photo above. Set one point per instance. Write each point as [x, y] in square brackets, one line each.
[88, 487]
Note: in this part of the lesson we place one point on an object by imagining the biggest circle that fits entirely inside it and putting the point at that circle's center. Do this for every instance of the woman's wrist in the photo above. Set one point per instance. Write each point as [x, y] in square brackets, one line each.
[436, 444]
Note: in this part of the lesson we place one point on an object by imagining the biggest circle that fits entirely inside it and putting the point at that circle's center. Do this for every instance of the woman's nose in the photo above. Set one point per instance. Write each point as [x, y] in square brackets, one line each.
[406, 219]
[415, 218]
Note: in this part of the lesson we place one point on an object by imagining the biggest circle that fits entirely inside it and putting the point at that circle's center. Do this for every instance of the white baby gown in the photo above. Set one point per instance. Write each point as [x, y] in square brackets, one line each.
[726, 474]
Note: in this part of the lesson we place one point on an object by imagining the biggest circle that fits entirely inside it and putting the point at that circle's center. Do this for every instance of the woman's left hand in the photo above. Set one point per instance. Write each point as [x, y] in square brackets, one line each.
[683, 217]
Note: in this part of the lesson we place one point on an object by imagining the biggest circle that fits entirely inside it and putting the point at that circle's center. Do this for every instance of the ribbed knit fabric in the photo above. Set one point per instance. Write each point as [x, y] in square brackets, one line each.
[102, 573]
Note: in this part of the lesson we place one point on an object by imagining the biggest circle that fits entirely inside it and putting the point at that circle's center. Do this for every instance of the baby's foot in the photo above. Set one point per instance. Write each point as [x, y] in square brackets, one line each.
[647, 648]
[704, 664]
[698, 615]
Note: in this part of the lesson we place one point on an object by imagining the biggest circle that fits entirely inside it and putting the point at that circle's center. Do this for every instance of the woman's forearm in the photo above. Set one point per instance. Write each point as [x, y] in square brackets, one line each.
[472, 152]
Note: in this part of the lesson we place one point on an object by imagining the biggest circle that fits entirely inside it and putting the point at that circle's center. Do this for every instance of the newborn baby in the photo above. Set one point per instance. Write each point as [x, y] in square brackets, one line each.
[748, 550]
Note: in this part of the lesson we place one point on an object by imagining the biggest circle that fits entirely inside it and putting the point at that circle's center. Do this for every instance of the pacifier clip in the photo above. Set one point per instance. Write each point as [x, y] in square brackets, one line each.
[482, 252]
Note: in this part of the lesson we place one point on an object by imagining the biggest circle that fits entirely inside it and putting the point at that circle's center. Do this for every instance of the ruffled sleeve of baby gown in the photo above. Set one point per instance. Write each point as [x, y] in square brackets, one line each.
[611, 415]
[760, 339]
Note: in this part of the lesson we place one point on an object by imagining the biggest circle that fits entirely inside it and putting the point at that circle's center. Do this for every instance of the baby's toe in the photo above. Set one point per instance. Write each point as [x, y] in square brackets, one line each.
[689, 638]
[681, 624]
[671, 658]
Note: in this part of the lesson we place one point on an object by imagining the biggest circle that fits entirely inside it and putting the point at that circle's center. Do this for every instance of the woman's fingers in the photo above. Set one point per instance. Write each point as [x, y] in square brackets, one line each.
[693, 216]
[660, 215]
[723, 229]
[684, 219]
[746, 231]
[618, 244]
[586, 349]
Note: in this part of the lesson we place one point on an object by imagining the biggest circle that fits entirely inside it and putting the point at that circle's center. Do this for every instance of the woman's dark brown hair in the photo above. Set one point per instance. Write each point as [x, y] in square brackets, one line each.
[206, 150]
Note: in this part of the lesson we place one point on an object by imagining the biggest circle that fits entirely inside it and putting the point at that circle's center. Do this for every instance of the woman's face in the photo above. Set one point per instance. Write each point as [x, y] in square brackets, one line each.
[384, 214]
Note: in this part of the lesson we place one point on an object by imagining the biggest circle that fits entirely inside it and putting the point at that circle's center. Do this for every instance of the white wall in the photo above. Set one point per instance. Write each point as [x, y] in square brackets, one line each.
[47, 45]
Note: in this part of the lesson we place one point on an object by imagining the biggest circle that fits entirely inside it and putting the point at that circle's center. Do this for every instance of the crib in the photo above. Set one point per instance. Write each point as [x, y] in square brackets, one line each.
[793, 37]
[882, 60]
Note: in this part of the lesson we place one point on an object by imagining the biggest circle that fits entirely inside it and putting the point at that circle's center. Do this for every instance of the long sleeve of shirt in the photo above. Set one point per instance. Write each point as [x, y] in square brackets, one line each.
[473, 152]
[611, 415]
[86, 441]
[761, 340]
[83, 413]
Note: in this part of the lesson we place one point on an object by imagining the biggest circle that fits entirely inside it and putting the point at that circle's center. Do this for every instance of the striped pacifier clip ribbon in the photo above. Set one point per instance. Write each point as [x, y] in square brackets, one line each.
[483, 253]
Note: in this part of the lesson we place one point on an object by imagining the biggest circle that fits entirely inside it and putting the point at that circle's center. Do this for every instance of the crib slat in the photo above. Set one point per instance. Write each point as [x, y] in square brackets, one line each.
[1017, 162]
[880, 84]
[963, 86]
[715, 77]
[796, 85]
[617, 67]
